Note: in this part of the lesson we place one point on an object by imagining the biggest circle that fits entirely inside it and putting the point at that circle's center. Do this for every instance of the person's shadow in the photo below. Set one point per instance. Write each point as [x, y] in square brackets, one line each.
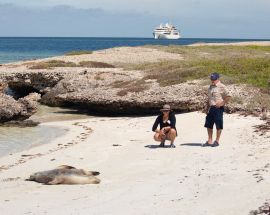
[168, 146]
[191, 144]
[156, 146]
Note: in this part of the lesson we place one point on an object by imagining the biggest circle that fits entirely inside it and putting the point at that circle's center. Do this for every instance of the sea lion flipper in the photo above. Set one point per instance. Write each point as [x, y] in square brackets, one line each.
[95, 173]
[94, 180]
[56, 180]
[90, 173]
[65, 167]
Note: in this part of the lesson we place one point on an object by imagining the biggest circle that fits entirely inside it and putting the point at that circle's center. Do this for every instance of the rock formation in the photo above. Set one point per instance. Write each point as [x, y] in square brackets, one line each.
[10, 109]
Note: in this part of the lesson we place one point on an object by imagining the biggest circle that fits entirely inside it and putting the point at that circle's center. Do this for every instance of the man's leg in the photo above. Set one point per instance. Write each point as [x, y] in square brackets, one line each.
[209, 123]
[219, 123]
[210, 135]
[218, 134]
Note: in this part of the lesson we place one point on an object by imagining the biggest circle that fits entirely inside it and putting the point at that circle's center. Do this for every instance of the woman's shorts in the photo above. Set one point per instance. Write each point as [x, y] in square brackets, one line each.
[214, 116]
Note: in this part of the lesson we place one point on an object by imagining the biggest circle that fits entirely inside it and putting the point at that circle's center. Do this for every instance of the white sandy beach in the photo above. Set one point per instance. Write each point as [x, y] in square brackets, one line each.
[138, 178]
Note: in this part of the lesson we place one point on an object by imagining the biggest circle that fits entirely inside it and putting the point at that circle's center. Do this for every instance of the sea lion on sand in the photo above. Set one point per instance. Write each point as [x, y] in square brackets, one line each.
[65, 175]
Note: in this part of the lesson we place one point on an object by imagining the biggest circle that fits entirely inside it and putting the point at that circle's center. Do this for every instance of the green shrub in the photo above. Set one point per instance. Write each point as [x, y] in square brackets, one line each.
[79, 52]
[236, 64]
[51, 64]
[95, 64]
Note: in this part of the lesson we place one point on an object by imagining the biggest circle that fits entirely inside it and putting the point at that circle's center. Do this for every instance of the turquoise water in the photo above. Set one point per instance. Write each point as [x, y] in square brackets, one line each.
[24, 48]
[14, 139]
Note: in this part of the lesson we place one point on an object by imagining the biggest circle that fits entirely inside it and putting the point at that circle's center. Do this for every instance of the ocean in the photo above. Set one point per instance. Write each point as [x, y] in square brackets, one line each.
[14, 49]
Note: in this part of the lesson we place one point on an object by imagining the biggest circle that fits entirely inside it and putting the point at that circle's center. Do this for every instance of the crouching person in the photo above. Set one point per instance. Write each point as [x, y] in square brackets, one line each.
[167, 130]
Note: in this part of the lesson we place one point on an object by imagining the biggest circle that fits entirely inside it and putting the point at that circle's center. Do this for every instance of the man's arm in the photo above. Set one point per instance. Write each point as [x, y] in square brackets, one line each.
[206, 104]
[225, 96]
[225, 101]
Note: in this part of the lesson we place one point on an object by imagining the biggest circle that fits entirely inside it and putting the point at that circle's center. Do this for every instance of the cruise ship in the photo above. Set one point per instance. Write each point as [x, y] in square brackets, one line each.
[167, 31]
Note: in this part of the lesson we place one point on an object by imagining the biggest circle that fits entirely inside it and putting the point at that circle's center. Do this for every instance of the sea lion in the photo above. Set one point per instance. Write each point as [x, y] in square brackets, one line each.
[65, 175]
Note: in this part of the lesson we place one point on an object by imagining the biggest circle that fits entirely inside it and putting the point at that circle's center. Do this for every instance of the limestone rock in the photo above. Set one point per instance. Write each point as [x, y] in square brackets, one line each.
[10, 109]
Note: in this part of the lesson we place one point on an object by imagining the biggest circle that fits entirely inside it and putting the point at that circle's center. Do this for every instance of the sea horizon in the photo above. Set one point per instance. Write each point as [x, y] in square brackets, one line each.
[13, 49]
[219, 38]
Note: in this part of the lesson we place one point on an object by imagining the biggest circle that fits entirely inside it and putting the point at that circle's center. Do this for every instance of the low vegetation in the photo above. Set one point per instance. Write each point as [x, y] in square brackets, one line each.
[130, 86]
[237, 64]
[51, 64]
[79, 52]
[59, 63]
[95, 64]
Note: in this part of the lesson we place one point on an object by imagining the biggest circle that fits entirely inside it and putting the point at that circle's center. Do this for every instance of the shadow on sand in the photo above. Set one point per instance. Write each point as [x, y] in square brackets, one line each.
[156, 146]
[191, 144]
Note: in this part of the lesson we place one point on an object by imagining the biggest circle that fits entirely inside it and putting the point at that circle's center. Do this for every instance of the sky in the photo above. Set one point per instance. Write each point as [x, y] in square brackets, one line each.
[247, 19]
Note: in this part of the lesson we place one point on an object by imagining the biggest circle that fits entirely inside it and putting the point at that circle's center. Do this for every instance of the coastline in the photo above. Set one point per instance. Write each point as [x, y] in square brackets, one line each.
[139, 177]
[74, 133]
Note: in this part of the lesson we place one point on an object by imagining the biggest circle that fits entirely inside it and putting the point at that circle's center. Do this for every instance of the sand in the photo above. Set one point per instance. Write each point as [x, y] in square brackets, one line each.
[117, 55]
[138, 178]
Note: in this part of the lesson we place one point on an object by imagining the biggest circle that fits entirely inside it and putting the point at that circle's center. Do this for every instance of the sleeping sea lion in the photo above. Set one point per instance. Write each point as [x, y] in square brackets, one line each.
[65, 175]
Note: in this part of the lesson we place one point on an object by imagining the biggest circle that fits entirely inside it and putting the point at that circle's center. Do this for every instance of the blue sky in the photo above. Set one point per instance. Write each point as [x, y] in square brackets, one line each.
[137, 18]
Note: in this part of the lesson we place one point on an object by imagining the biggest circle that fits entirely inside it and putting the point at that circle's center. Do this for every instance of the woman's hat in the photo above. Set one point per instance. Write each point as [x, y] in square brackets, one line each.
[165, 107]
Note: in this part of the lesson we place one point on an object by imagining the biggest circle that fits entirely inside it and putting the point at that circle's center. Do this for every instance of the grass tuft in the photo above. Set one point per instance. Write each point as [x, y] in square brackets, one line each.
[79, 52]
[130, 86]
[51, 64]
[95, 64]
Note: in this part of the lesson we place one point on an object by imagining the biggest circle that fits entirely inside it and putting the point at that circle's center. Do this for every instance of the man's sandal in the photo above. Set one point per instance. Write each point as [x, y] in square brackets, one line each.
[215, 144]
[206, 144]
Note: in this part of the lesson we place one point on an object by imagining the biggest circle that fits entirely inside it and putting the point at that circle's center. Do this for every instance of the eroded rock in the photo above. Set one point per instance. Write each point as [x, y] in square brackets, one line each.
[22, 109]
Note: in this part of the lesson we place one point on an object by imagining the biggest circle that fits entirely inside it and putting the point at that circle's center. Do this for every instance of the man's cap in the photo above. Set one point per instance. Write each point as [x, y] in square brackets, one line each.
[214, 76]
[165, 107]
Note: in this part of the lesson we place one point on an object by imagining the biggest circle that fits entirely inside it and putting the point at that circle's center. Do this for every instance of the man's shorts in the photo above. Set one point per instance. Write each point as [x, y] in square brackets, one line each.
[214, 116]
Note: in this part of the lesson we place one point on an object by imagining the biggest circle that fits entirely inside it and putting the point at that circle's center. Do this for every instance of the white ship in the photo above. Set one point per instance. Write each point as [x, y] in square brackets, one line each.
[167, 31]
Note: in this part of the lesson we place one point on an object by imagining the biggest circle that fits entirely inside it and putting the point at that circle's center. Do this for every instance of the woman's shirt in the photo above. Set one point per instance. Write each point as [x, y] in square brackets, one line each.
[171, 122]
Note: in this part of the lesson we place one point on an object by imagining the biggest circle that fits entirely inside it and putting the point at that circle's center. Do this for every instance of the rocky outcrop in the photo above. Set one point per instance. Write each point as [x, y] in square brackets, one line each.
[10, 109]
[3, 86]
[122, 94]
[119, 92]
[28, 81]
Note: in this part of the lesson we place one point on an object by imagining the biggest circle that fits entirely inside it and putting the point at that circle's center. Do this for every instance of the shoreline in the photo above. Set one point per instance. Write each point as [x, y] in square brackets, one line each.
[174, 181]
[17, 139]
[71, 135]
[74, 133]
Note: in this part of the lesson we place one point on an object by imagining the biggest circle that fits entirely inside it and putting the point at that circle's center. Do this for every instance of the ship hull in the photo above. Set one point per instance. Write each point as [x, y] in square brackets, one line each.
[166, 36]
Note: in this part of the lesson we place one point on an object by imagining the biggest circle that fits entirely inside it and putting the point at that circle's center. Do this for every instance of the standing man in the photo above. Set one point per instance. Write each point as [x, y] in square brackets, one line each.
[217, 98]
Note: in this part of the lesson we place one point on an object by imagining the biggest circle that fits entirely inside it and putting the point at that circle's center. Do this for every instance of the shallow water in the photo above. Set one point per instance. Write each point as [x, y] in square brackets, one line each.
[15, 139]
[52, 114]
